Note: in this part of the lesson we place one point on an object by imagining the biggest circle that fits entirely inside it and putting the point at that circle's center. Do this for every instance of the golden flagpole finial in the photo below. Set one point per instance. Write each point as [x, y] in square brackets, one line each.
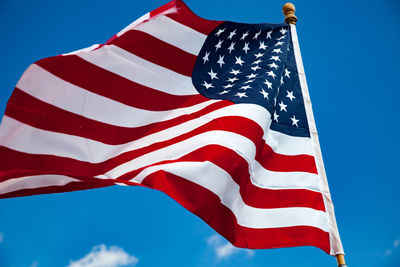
[288, 10]
[340, 260]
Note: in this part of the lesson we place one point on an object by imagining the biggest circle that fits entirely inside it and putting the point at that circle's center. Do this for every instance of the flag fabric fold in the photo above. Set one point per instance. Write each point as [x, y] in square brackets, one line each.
[215, 114]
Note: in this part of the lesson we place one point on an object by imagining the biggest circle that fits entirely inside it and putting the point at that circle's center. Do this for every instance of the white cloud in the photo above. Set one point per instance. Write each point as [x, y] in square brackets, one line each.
[225, 249]
[101, 256]
[34, 264]
[388, 252]
[1, 237]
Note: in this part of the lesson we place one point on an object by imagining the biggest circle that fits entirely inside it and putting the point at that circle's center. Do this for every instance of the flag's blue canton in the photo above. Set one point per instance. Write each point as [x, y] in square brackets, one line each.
[254, 63]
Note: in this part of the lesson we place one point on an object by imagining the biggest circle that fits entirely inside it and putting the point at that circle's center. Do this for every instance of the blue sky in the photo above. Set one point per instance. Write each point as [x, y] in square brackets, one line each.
[351, 57]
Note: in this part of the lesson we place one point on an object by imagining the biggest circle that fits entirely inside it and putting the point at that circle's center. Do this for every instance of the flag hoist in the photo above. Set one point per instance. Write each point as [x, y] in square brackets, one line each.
[289, 10]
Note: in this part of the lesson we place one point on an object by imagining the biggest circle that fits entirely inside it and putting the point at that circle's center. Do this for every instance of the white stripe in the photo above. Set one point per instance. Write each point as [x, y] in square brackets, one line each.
[38, 181]
[174, 33]
[334, 237]
[24, 138]
[134, 24]
[47, 87]
[87, 49]
[288, 145]
[218, 181]
[136, 69]
[264, 178]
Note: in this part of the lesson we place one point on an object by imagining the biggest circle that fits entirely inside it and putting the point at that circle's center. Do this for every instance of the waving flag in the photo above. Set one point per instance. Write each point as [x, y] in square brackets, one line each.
[215, 114]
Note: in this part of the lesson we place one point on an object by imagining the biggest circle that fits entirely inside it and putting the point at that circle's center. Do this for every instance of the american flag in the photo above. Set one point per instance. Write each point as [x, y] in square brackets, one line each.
[215, 114]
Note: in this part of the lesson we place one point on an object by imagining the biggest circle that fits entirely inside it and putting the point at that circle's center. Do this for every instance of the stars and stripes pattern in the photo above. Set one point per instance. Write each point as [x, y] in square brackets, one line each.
[201, 110]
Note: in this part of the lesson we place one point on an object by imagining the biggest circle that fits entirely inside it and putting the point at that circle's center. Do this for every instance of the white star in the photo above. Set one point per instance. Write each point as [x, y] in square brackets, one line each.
[281, 80]
[231, 34]
[257, 62]
[212, 74]
[271, 73]
[255, 68]
[239, 61]
[220, 31]
[221, 61]
[280, 38]
[256, 35]
[287, 72]
[290, 95]
[207, 85]
[276, 116]
[273, 65]
[235, 72]
[275, 58]
[283, 31]
[246, 47]
[258, 55]
[241, 94]
[205, 58]
[294, 121]
[217, 46]
[268, 84]
[248, 81]
[232, 80]
[262, 46]
[278, 50]
[279, 43]
[265, 94]
[283, 106]
[228, 86]
[245, 87]
[244, 35]
[269, 35]
[230, 48]
[251, 76]
[223, 92]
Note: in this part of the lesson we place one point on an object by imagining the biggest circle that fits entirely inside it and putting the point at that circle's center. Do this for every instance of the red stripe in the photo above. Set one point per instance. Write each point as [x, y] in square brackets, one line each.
[170, 6]
[19, 164]
[156, 51]
[73, 186]
[39, 114]
[21, 107]
[209, 208]
[285, 163]
[186, 17]
[88, 76]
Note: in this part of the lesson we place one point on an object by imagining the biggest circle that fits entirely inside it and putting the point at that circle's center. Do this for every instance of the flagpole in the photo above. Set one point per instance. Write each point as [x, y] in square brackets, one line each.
[290, 18]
